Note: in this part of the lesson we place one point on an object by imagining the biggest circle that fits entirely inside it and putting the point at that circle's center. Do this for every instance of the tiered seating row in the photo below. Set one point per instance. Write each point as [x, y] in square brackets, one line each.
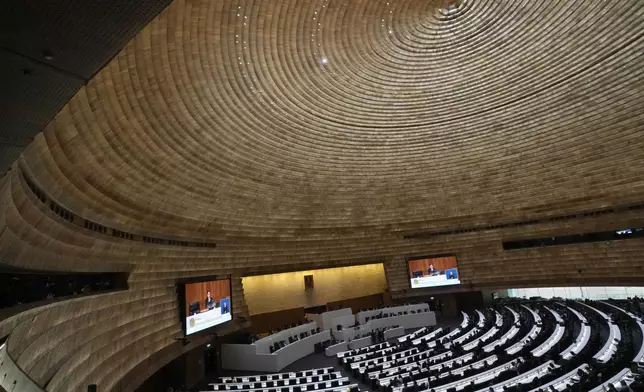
[465, 360]
[318, 380]
[276, 376]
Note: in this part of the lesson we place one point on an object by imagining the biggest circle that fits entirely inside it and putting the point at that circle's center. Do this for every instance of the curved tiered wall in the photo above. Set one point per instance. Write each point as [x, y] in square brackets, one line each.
[309, 134]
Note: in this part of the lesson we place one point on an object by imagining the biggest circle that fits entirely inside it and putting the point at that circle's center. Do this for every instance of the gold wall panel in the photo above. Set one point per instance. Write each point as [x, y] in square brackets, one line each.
[274, 292]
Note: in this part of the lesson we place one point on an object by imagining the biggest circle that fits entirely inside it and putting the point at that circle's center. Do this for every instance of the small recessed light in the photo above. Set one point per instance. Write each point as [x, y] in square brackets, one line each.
[48, 55]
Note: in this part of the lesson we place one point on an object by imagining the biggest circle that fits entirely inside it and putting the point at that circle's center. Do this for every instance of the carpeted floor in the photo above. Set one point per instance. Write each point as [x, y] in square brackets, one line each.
[315, 361]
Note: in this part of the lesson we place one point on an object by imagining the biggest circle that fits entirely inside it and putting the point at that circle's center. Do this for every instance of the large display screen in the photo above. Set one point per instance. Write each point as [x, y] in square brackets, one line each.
[433, 271]
[207, 304]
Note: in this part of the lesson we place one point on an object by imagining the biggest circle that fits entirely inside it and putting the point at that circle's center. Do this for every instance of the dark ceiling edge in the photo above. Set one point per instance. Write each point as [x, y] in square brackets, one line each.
[52, 67]
[25, 142]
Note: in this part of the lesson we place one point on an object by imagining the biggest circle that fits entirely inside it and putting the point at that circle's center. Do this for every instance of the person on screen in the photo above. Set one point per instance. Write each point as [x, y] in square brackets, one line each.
[432, 271]
[210, 303]
[224, 307]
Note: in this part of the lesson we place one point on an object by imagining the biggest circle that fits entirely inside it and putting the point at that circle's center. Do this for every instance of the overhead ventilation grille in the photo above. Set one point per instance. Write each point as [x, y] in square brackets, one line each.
[599, 236]
[610, 210]
[98, 228]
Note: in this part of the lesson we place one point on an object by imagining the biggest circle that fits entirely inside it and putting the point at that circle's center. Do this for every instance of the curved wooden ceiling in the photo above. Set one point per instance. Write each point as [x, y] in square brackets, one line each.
[287, 118]
[303, 134]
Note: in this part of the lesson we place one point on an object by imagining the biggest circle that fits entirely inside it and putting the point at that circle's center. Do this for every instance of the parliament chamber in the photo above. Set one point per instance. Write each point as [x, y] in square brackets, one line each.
[321, 195]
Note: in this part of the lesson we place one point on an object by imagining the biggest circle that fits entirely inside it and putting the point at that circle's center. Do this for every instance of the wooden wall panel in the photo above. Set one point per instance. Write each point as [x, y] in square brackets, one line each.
[198, 292]
[265, 322]
[270, 293]
[358, 304]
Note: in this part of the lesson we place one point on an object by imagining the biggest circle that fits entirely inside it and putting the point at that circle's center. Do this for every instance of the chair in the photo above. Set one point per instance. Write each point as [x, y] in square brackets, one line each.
[299, 374]
[263, 378]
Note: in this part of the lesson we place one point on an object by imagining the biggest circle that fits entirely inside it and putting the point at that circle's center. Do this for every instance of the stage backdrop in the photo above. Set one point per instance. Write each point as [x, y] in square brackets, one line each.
[440, 263]
[197, 292]
[270, 293]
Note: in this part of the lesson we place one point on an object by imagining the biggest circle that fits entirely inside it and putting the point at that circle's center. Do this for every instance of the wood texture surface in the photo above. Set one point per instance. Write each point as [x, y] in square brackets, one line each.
[198, 292]
[440, 263]
[303, 134]
[265, 322]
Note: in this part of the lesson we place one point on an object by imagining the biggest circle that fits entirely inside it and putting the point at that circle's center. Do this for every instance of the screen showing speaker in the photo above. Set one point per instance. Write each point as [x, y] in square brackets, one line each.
[206, 305]
[433, 271]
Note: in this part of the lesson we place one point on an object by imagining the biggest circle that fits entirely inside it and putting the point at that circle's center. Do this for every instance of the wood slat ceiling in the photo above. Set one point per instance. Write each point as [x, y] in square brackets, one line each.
[300, 134]
[48, 50]
[288, 119]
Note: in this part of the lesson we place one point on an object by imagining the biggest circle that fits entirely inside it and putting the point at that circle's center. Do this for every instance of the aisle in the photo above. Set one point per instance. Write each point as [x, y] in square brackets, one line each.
[319, 360]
